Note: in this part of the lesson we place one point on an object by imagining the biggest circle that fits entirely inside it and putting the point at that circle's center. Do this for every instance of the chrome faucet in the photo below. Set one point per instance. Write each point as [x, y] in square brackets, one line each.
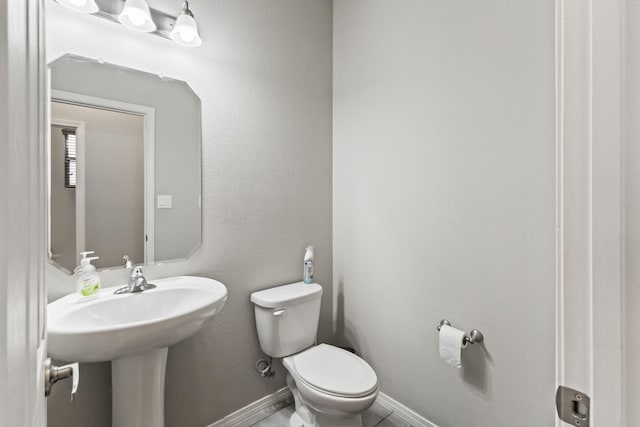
[137, 282]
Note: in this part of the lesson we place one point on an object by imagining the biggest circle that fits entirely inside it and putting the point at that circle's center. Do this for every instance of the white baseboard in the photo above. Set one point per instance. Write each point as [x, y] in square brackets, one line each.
[254, 412]
[260, 409]
[400, 411]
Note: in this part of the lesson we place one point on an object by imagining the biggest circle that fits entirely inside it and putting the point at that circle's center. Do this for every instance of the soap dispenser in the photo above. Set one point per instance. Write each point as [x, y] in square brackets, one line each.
[87, 280]
[307, 275]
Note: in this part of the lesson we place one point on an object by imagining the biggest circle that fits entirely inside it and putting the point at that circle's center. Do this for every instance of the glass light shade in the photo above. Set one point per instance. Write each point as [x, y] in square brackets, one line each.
[136, 16]
[185, 31]
[82, 6]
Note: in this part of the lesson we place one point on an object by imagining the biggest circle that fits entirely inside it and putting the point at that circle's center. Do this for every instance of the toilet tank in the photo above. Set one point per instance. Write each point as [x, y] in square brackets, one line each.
[287, 317]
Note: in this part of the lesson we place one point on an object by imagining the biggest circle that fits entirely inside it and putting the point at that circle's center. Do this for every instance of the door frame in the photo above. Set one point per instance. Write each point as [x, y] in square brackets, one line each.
[22, 213]
[590, 224]
[149, 116]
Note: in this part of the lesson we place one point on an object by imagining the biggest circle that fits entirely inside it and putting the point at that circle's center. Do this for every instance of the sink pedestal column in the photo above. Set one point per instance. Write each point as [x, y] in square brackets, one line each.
[138, 389]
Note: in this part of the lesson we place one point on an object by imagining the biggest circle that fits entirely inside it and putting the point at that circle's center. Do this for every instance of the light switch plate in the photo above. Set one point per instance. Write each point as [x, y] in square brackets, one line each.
[165, 201]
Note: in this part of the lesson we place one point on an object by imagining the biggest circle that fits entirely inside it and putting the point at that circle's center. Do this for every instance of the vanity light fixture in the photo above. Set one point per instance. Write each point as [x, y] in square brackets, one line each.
[82, 6]
[136, 16]
[185, 30]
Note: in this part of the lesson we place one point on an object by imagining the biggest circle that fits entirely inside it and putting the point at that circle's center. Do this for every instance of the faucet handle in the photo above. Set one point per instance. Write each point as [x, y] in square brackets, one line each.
[127, 262]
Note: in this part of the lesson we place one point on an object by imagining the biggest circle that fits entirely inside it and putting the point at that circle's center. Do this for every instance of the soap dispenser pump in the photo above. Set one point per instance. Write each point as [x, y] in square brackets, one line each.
[87, 280]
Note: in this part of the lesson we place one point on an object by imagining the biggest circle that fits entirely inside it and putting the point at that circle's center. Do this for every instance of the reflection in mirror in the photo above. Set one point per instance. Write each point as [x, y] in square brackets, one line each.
[124, 165]
[110, 202]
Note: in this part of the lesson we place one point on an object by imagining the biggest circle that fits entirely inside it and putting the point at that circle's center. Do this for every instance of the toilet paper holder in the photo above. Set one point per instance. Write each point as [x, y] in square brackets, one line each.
[473, 337]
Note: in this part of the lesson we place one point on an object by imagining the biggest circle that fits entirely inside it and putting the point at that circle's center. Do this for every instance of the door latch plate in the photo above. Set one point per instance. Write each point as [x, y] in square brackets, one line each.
[573, 406]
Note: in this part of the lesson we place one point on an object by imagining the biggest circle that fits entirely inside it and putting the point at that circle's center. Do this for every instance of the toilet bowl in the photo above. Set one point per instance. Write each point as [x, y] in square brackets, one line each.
[331, 386]
[335, 385]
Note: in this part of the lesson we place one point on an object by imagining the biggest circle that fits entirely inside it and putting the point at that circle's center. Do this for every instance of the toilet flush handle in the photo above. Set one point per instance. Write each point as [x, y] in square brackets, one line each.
[279, 312]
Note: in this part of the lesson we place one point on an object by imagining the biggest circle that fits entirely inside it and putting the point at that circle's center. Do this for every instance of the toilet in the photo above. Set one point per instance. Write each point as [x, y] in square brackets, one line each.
[331, 387]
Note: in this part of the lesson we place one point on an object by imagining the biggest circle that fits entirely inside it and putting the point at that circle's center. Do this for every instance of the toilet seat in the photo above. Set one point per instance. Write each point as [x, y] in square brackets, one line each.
[334, 371]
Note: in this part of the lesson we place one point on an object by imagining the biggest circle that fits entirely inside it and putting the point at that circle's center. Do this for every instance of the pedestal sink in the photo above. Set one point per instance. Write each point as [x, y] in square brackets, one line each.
[134, 332]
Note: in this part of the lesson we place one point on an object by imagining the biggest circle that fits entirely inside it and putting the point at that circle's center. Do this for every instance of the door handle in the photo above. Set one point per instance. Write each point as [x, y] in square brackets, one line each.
[53, 374]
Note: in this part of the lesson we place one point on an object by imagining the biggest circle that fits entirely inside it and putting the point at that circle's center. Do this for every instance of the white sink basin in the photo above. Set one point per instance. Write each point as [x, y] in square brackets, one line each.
[112, 326]
[134, 331]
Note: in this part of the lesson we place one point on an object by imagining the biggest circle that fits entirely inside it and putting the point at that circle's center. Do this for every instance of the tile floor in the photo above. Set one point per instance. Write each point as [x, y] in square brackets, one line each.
[376, 416]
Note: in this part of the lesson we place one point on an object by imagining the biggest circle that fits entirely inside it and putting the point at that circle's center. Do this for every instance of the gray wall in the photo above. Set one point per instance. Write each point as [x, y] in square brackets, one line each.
[63, 206]
[444, 197]
[264, 77]
[114, 182]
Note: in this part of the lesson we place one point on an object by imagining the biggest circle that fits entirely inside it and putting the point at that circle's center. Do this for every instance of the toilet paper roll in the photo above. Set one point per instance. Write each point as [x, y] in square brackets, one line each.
[451, 344]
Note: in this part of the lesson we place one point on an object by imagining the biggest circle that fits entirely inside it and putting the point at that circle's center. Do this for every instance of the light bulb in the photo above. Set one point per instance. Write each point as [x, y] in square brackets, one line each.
[185, 30]
[136, 17]
[188, 36]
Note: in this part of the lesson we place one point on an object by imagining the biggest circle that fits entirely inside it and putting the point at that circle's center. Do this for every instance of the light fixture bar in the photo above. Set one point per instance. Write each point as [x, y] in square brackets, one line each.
[110, 9]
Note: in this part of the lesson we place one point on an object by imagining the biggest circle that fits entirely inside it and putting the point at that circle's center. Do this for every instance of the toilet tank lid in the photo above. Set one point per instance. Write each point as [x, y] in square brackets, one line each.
[286, 295]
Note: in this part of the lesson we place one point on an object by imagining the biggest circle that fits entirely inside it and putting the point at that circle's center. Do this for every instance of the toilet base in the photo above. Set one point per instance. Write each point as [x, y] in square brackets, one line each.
[296, 421]
[305, 416]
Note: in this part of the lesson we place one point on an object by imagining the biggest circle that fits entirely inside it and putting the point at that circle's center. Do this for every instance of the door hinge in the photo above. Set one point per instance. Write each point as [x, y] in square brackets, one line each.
[573, 406]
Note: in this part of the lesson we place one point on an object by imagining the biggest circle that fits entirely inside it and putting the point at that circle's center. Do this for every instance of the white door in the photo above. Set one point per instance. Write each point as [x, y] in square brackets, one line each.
[590, 200]
[22, 219]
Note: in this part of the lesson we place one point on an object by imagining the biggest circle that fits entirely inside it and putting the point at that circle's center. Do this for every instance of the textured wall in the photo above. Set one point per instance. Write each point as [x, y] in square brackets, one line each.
[264, 77]
[444, 201]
